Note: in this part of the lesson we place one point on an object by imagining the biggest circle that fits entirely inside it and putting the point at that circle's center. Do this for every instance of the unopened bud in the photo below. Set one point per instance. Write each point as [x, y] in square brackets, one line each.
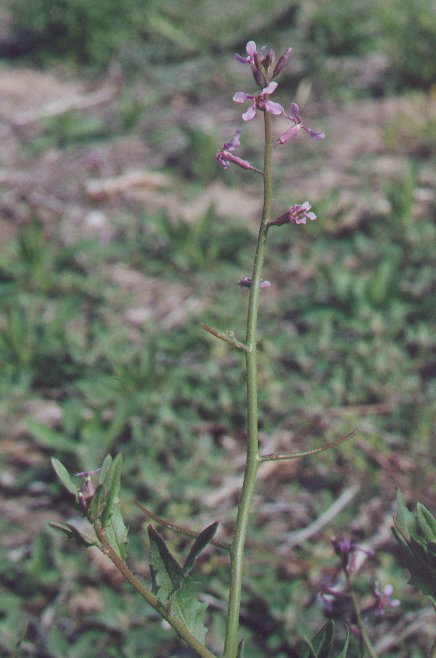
[281, 62]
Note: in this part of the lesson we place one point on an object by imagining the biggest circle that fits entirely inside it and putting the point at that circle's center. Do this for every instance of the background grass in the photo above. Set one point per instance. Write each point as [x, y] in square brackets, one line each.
[347, 332]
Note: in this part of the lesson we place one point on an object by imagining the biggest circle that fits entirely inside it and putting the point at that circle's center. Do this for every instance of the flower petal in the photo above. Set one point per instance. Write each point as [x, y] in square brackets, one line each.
[250, 113]
[273, 108]
[241, 97]
[270, 88]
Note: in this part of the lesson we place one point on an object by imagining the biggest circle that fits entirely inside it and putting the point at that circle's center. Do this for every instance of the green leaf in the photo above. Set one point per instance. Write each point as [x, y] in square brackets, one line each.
[186, 606]
[64, 476]
[415, 532]
[116, 533]
[343, 653]
[71, 532]
[323, 640]
[321, 646]
[98, 503]
[203, 539]
[49, 438]
[166, 573]
[112, 483]
[107, 463]
[426, 522]
[172, 586]
[241, 649]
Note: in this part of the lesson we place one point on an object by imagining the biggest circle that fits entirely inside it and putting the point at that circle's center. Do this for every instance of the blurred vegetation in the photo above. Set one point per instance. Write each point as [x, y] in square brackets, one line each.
[157, 32]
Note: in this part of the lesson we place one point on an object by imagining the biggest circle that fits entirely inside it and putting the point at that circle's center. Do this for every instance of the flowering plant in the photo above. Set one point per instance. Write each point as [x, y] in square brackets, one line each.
[173, 592]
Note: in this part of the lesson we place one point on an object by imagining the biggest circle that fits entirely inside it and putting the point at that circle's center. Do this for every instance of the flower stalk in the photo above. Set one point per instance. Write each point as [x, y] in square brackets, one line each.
[252, 456]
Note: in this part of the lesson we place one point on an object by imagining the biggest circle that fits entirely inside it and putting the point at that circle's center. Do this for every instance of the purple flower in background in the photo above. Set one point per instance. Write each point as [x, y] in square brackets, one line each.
[384, 599]
[245, 282]
[251, 50]
[225, 155]
[346, 549]
[297, 214]
[260, 101]
[293, 131]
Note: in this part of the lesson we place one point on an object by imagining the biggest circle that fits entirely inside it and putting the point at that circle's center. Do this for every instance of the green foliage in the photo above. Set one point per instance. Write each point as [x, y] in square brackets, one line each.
[338, 28]
[89, 33]
[416, 534]
[409, 32]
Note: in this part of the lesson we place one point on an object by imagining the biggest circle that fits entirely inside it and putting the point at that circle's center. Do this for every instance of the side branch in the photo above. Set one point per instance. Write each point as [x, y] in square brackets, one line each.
[299, 455]
[183, 531]
[226, 337]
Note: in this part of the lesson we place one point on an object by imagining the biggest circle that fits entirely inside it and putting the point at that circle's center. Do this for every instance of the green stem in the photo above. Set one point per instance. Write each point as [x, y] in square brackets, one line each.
[180, 628]
[252, 458]
[366, 642]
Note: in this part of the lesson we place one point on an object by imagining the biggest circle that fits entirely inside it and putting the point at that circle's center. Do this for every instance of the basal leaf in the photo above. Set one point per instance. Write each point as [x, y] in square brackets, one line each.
[64, 476]
[198, 546]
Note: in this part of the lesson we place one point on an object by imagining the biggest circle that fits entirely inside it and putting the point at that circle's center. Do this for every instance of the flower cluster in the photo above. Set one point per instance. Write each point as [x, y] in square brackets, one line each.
[264, 67]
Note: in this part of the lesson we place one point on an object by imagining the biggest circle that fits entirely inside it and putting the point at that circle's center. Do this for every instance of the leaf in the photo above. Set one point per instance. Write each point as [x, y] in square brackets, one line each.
[322, 644]
[64, 476]
[186, 606]
[71, 532]
[415, 532]
[116, 533]
[343, 653]
[241, 649]
[426, 522]
[107, 463]
[166, 572]
[323, 640]
[112, 483]
[49, 438]
[203, 539]
[98, 503]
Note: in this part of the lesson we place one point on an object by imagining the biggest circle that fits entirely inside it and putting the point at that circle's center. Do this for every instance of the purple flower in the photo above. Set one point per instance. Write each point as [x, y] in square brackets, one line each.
[245, 282]
[87, 490]
[261, 102]
[251, 50]
[298, 125]
[225, 155]
[384, 599]
[297, 214]
[346, 549]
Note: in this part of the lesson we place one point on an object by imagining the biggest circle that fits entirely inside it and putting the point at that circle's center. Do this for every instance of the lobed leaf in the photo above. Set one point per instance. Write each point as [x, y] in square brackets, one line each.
[166, 572]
